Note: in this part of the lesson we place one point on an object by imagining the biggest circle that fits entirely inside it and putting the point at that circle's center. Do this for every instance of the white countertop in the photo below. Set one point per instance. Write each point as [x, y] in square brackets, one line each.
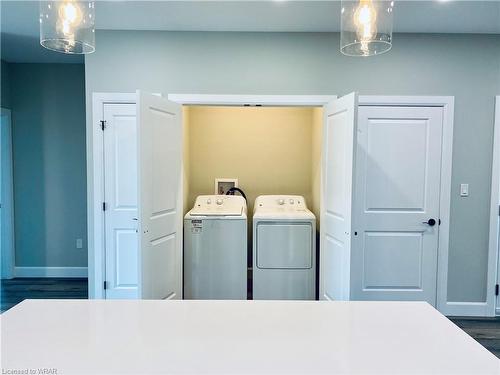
[80, 336]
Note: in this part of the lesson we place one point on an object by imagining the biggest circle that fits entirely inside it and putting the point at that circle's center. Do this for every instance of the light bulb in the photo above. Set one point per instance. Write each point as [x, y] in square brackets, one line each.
[69, 12]
[70, 16]
[365, 21]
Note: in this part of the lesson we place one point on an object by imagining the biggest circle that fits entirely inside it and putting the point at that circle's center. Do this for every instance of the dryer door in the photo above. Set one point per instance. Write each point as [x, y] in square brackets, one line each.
[284, 245]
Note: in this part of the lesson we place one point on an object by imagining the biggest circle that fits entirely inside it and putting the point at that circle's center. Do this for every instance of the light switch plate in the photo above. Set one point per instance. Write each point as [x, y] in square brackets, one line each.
[79, 243]
[464, 190]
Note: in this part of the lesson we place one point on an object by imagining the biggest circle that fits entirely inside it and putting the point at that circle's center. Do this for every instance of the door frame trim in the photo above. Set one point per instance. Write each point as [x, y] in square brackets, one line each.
[7, 236]
[447, 103]
[95, 178]
[252, 100]
[95, 190]
[494, 245]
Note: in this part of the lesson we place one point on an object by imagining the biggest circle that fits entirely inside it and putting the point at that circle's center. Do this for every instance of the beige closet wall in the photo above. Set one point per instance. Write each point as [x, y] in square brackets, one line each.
[270, 151]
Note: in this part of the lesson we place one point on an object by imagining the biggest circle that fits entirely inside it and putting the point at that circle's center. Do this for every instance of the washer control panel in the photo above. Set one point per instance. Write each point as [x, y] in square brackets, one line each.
[218, 205]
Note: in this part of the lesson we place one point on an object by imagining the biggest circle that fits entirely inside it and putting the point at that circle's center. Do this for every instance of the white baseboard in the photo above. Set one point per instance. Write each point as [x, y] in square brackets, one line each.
[50, 271]
[479, 309]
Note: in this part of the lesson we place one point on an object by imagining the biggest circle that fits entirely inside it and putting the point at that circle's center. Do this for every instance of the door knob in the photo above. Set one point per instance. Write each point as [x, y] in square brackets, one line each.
[430, 222]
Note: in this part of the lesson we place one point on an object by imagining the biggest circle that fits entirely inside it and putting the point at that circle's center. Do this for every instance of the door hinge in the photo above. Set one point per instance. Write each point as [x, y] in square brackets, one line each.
[105, 286]
[499, 210]
[104, 206]
[496, 289]
[103, 124]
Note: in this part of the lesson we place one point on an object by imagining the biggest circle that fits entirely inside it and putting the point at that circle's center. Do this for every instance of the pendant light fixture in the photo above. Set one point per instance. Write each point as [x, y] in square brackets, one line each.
[68, 26]
[366, 27]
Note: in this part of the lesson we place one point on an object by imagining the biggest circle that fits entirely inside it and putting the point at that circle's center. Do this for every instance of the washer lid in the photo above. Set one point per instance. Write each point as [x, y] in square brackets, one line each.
[219, 205]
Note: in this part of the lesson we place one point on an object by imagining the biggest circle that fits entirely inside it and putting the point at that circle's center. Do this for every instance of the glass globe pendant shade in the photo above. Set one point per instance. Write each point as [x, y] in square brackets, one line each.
[68, 26]
[366, 27]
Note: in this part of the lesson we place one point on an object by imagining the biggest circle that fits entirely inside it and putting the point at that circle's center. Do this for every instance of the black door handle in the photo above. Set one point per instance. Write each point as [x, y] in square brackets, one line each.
[430, 222]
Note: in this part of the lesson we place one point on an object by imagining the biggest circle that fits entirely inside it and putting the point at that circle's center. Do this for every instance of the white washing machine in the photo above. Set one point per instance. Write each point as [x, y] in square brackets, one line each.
[284, 248]
[215, 248]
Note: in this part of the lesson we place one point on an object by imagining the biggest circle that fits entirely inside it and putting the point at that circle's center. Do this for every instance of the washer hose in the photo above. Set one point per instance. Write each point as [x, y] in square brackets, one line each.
[233, 189]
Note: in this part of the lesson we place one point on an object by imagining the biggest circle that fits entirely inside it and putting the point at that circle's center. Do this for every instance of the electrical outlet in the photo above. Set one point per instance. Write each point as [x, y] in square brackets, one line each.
[79, 243]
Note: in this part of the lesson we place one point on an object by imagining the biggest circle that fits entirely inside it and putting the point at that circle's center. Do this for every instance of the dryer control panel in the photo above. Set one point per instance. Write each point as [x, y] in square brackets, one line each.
[281, 201]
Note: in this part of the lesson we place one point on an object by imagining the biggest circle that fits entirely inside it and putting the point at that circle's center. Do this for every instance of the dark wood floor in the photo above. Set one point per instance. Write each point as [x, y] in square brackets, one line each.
[485, 331]
[17, 290]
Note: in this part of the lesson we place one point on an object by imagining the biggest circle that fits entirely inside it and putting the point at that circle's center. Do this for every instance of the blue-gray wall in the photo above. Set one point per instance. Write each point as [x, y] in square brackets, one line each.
[465, 66]
[5, 85]
[48, 131]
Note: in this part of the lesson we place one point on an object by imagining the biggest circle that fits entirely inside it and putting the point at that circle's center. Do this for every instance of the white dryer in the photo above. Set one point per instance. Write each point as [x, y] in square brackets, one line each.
[284, 248]
[215, 248]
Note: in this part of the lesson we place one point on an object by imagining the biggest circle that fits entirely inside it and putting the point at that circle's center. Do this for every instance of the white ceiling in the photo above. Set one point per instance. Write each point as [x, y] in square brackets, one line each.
[19, 19]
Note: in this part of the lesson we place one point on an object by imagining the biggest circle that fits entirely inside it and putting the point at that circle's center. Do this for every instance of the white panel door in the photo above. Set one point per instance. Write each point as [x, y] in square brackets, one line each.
[398, 170]
[160, 198]
[120, 194]
[337, 173]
